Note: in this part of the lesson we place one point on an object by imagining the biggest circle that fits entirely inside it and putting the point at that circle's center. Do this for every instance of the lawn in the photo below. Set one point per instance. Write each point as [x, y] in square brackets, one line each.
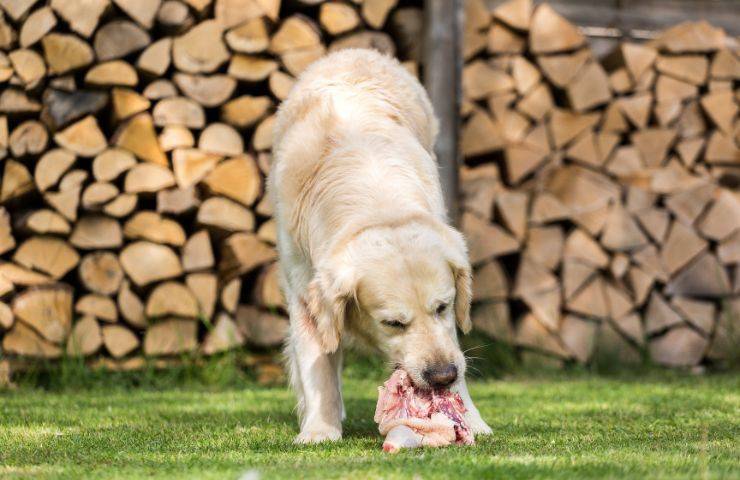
[556, 425]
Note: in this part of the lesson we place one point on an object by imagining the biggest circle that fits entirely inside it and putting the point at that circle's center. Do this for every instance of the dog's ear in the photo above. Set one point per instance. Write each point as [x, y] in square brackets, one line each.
[457, 256]
[327, 298]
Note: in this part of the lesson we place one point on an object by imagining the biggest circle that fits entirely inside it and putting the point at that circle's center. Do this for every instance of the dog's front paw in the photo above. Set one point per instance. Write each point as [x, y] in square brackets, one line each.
[318, 435]
[478, 426]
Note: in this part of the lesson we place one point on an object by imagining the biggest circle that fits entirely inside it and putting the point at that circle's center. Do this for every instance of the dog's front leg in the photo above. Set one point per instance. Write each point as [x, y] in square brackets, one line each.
[472, 416]
[316, 371]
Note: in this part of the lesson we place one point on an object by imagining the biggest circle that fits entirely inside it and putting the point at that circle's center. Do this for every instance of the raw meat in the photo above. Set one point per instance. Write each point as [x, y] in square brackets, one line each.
[411, 417]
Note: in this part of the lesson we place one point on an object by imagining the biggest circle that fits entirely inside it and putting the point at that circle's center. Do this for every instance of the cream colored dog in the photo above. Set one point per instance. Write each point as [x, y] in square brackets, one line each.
[365, 249]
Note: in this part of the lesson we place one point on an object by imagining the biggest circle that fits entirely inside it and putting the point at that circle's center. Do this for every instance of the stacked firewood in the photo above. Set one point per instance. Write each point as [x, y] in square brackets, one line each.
[135, 138]
[601, 196]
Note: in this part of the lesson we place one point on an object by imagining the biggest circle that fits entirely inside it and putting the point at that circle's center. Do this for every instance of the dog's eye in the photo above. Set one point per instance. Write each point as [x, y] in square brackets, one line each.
[441, 308]
[393, 324]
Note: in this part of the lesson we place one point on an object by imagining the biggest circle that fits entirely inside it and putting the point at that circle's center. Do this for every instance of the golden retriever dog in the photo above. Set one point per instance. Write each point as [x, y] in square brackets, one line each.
[366, 252]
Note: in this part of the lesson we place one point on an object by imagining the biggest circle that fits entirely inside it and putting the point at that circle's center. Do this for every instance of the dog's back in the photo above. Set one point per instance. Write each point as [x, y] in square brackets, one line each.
[353, 147]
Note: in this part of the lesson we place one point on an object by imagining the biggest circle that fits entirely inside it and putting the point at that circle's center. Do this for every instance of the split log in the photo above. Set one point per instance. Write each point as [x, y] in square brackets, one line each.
[83, 138]
[245, 111]
[152, 226]
[337, 18]
[100, 272]
[197, 253]
[97, 306]
[40, 222]
[224, 336]
[201, 49]
[16, 182]
[6, 316]
[249, 37]
[50, 255]
[98, 193]
[20, 276]
[251, 68]
[205, 288]
[236, 178]
[146, 262]
[28, 138]
[259, 328]
[156, 58]
[111, 163]
[138, 137]
[171, 337]
[65, 53]
[267, 288]
[550, 33]
[175, 137]
[37, 25]
[177, 201]
[223, 214]
[242, 253]
[130, 306]
[221, 139]
[63, 107]
[148, 178]
[48, 309]
[51, 167]
[208, 91]
[121, 206]
[230, 294]
[172, 299]
[119, 38]
[119, 340]
[93, 232]
[22, 340]
[178, 111]
[191, 166]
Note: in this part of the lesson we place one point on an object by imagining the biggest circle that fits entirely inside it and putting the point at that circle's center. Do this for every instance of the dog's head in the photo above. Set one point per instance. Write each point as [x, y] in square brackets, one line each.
[402, 289]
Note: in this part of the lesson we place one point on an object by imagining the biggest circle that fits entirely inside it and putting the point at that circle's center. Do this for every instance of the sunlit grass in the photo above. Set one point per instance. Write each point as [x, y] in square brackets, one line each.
[555, 425]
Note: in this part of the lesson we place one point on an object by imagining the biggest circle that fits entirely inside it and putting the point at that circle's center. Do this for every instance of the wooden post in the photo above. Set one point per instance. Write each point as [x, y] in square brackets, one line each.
[442, 67]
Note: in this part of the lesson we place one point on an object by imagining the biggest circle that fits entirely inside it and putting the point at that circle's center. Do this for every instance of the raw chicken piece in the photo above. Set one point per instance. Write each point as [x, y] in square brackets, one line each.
[411, 417]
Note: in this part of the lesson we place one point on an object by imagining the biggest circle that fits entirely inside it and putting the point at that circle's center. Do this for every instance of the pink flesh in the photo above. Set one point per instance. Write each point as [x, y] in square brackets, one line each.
[411, 417]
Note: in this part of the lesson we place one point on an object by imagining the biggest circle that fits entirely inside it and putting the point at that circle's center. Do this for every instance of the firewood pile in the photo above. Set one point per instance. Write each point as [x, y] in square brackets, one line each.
[601, 196]
[135, 138]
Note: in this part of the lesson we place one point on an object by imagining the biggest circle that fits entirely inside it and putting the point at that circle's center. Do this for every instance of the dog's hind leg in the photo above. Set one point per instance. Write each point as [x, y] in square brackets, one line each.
[316, 381]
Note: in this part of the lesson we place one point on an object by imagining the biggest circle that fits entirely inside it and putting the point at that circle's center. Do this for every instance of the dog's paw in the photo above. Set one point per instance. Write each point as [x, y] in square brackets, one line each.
[318, 435]
[478, 426]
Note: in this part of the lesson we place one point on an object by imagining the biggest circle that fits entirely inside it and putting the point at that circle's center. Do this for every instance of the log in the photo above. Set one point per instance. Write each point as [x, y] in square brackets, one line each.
[40, 222]
[142, 11]
[65, 202]
[660, 315]
[242, 253]
[174, 137]
[29, 66]
[119, 340]
[221, 139]
[83, 138]
[681, 246]
[65, 53]
[172, 299]
[236, 178]
[50, 255]
[205, 288]
[98, 193]
[111, 163]
[230, 293]
[197, 253]
[22, 340]
[267, 290]
[224, 336]
[146, 262]
[249, 37]
[37, 25]
[295, 33]
[156, 58]
[250, 68]
[590, 88]
[201, 49]
[119, 38]
[94, 232]
[226, 215]
[721, 109]
[515, 13]
[16, 181]
[100, 272]
[175, 16]
[73, 180]
[112, 73]
[121, 206]
[259, 328]
[177, 201]
[48, 309]
[245, 111]
[6, 316]
[550, 33]
[82, 17]
[480, 80]
[138, 137]
[148, 178]
[51, 167]
[152, 226]
[338, 18]
[28, 138]
[63, 107]
[130, 306]
[208, 91]
[97, 306]
[191, 166]
[680, 347]
[171, 337]
[486, 241]
[178, 111]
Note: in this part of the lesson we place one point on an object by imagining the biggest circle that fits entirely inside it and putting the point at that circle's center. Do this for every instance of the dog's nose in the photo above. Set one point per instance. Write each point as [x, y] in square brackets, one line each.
[440, 376]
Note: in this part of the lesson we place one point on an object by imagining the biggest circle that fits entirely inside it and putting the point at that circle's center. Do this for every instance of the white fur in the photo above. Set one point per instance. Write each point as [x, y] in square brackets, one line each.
[362, 231]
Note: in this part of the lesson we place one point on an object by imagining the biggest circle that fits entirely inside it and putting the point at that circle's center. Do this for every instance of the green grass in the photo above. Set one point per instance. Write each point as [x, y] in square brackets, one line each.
[221, 425]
